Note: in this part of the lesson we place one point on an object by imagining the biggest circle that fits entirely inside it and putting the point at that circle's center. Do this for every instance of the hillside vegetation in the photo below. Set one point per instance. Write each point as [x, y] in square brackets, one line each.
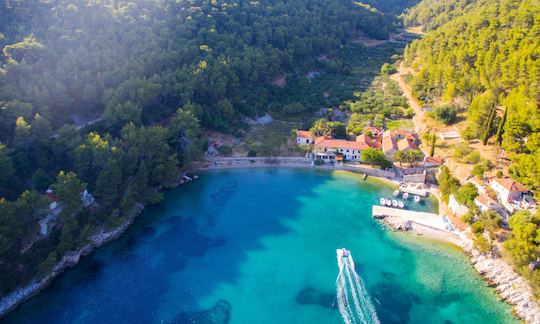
[484, 57]
[485, 54]
[149, 75]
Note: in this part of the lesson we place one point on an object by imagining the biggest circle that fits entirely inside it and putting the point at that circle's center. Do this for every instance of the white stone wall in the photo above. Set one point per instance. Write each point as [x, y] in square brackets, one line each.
[303, 140]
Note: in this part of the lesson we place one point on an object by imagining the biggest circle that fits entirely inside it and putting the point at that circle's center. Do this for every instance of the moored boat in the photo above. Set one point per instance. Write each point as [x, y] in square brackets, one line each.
[417, 198]
[394, 203]
[401, 204]
[382, 200]
[405, 195]
[396, 193]
[388, 202]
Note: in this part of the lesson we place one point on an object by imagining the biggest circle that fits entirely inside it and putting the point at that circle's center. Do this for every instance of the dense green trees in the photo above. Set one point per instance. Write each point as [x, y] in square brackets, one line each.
[485, 54]
[370, 108]
[333, 129]
[83, 85]
[465, 194]
[448, 184]
[409, 156]
[375, 157]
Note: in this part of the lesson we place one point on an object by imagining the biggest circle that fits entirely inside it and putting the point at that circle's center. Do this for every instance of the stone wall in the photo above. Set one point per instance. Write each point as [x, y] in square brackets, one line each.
[366, 170]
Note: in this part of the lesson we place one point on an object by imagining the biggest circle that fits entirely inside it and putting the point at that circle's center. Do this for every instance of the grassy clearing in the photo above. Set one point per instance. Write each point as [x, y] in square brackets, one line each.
[400, 124]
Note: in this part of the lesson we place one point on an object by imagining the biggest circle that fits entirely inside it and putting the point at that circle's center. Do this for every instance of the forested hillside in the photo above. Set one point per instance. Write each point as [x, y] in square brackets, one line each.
[485, 56]
[151, 75]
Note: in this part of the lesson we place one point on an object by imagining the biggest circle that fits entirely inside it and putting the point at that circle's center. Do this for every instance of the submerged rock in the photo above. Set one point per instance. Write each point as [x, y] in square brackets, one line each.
[220, 313]
[310, 296]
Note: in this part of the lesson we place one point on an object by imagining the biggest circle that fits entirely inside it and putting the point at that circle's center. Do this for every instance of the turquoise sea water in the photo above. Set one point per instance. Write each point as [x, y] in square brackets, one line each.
[258, 246]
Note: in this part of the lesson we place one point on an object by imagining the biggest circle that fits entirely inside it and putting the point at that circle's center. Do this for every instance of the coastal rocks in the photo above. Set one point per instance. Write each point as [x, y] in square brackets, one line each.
[70, 259]
[396, 223]
[511, 287]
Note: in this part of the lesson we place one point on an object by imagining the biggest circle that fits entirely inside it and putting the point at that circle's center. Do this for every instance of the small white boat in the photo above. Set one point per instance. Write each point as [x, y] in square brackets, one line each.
[388, 202]
[417, 198]
[394, 203]
[405, 195]
[382, 201]
[401, 204]
[396, 193]
[344, 257]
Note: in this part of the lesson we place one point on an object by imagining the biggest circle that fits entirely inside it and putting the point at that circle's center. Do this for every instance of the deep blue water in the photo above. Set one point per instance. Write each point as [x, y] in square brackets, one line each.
[258, 246]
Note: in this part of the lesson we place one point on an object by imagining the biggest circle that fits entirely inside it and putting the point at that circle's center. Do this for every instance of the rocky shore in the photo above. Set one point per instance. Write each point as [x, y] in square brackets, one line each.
[509, 285]
[70, 259]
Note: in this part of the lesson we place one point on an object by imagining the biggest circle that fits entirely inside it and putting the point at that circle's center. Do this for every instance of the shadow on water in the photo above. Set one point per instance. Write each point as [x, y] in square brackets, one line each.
[125, 281]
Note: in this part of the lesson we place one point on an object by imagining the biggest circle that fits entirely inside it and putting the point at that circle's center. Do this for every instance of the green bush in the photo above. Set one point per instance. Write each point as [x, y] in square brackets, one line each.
[474, 157]
[318, 162]
[445, 114]
[225, 150]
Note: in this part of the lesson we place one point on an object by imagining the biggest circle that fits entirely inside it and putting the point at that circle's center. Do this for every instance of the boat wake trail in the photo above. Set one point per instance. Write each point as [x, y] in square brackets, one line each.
[353, 300]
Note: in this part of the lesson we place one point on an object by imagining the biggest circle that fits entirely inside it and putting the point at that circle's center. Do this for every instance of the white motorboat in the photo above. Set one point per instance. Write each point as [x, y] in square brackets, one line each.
[405, 195]
[388, 202]
[394, 203]
[396, 193]
[344, 257]
[417, 198]
[401, 204]
[382, 201]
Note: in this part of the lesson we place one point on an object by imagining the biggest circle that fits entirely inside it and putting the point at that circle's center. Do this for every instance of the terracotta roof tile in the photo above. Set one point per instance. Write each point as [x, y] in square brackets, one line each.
[322, 142]
[510, 184]
[304, 134]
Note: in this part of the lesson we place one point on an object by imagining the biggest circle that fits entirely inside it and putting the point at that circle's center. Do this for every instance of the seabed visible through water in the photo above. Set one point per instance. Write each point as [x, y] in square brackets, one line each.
[259, 246]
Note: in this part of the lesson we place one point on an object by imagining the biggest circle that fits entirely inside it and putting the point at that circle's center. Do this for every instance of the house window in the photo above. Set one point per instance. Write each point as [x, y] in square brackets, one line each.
[307, 141]
[347, 151]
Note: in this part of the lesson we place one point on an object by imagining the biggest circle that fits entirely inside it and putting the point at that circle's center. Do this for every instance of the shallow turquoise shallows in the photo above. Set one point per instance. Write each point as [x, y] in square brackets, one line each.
[259, 246]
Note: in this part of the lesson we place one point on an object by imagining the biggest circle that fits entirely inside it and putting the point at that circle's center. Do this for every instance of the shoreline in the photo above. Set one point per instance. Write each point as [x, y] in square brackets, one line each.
[509, 286]
[14, 299]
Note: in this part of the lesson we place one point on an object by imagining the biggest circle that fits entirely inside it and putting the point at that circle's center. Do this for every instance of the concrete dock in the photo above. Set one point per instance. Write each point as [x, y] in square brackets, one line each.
[422, 218]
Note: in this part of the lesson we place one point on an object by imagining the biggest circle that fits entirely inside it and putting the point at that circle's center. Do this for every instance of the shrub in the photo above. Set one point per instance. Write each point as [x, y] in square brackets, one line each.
[225, 150]
[478, 170]
[477, 227]
[499, 174]
[462, 149]
[466, 194]
[445, 114]
[474, 157]
[318, 162]
[388, 68]
[468, 217]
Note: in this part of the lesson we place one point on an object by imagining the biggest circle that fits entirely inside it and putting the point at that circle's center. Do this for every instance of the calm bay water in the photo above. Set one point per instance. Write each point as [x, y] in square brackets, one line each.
[258, 246]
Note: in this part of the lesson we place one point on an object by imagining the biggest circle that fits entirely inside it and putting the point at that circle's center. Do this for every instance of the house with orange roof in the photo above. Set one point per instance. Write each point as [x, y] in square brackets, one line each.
[485, 203]
[372, 137]
[433, 161]
[328, 149]
[372, 131]
[304, 137]
[398, 140]
[513, 195]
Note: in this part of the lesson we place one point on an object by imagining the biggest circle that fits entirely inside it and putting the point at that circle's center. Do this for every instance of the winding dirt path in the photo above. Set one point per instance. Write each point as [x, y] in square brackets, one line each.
[419, 118]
